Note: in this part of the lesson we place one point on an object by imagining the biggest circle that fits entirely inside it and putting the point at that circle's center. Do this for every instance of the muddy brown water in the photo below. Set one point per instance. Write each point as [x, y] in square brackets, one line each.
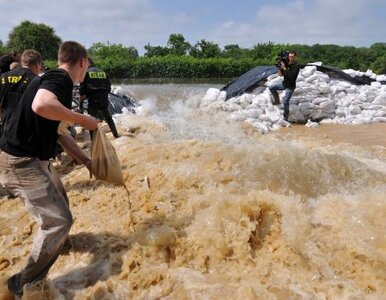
[218, 211]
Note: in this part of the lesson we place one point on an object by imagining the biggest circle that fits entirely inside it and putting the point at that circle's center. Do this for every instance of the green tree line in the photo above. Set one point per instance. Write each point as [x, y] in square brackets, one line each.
[204, 59]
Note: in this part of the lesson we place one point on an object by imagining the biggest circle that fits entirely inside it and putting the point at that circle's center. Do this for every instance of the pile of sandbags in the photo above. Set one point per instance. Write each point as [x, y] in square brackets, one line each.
[317, 97]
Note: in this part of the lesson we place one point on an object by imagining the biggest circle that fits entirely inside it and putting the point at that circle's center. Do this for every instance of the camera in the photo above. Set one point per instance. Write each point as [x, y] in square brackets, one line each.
[282, 57]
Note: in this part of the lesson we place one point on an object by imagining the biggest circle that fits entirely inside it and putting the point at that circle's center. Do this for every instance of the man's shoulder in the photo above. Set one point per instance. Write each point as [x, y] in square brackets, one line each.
[59, 72]
[15, 75]
[56, 75]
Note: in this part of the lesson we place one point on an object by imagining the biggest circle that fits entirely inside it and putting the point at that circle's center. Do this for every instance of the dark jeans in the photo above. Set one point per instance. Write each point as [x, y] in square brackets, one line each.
[288, 94]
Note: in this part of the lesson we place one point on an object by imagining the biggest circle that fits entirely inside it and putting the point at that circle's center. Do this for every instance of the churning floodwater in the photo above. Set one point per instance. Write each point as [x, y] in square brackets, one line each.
[217, 210]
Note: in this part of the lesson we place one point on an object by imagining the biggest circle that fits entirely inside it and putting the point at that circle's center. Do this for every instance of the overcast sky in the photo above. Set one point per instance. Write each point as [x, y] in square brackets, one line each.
[244, 22]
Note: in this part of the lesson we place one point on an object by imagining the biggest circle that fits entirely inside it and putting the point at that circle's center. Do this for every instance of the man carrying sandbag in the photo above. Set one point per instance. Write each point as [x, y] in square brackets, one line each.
[26, 149]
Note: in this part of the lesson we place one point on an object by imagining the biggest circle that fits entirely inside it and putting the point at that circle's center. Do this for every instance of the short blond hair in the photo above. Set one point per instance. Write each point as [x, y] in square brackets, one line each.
[30, 58]
[71, 52]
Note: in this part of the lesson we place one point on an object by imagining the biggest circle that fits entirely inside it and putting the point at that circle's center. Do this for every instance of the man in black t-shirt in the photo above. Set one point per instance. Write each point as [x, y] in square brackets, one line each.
[29, 143]
[14, 83]
[96, 87]
[7, 60]
[290, 72]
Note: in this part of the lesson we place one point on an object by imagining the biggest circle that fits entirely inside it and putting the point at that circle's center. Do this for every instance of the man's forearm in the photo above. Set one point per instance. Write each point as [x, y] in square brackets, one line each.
[72, 148]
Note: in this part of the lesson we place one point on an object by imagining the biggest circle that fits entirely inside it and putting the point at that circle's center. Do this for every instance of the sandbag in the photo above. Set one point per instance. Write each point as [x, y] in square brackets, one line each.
[105, 164]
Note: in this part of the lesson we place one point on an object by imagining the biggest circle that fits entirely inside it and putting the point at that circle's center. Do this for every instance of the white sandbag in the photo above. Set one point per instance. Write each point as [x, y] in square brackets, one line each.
[324, 88]
[318, 114]
[236, 116]
[350, 72]
[214, 107]
[370, 106]
[376, 84]
[368, 114]
[311, 124]
[261, 99]
[296, 115]
[354, 109]
[257, 105]
[306, 105]
[341, 111]
[381, 77]
[245, 100]
[323, 78]
[381, 113]
[210, 95]
[274, 116]
[300, 99]
[253, 113]
[278, 79]
[305, 89]
[228, 106]
[362, 97]
[371, 74]
[318, 100]
[308, 71]
[379, 120]
[222, 96]
[380, 99]
[312, 78]
[327, 106]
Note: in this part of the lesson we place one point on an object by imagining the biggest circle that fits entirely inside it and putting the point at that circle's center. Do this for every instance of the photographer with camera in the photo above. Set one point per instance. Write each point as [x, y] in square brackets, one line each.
[289, 69]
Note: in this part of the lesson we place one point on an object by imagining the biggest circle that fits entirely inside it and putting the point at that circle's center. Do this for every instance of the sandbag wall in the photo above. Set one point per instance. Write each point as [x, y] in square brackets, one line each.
[318, 97]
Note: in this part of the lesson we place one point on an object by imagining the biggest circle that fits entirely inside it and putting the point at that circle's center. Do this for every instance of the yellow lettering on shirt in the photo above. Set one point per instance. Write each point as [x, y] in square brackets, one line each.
[14, 79]
[98, 75]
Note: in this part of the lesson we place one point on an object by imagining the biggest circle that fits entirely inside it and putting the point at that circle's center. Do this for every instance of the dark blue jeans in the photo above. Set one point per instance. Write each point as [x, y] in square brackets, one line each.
[288, 94]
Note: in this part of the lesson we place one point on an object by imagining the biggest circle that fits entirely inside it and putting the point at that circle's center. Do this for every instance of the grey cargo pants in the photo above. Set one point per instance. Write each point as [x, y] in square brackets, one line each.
[38, 184]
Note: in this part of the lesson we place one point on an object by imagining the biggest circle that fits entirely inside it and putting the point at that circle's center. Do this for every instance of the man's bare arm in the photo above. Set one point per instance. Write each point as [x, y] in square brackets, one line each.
[69, 144]
[45, 104]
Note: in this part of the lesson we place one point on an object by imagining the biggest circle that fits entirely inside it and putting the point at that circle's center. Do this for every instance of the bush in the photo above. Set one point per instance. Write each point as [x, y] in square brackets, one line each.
[175, 67]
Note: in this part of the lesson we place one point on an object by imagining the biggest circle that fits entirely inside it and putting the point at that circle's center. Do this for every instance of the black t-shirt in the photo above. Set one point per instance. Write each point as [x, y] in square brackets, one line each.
[12, 86]
[28, 134]
[96, 87]
[5, 62]
[290, 75]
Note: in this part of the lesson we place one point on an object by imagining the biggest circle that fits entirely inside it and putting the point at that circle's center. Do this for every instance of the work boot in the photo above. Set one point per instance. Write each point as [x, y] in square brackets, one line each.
[14, 285]
[275, 101]
[285, 115]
